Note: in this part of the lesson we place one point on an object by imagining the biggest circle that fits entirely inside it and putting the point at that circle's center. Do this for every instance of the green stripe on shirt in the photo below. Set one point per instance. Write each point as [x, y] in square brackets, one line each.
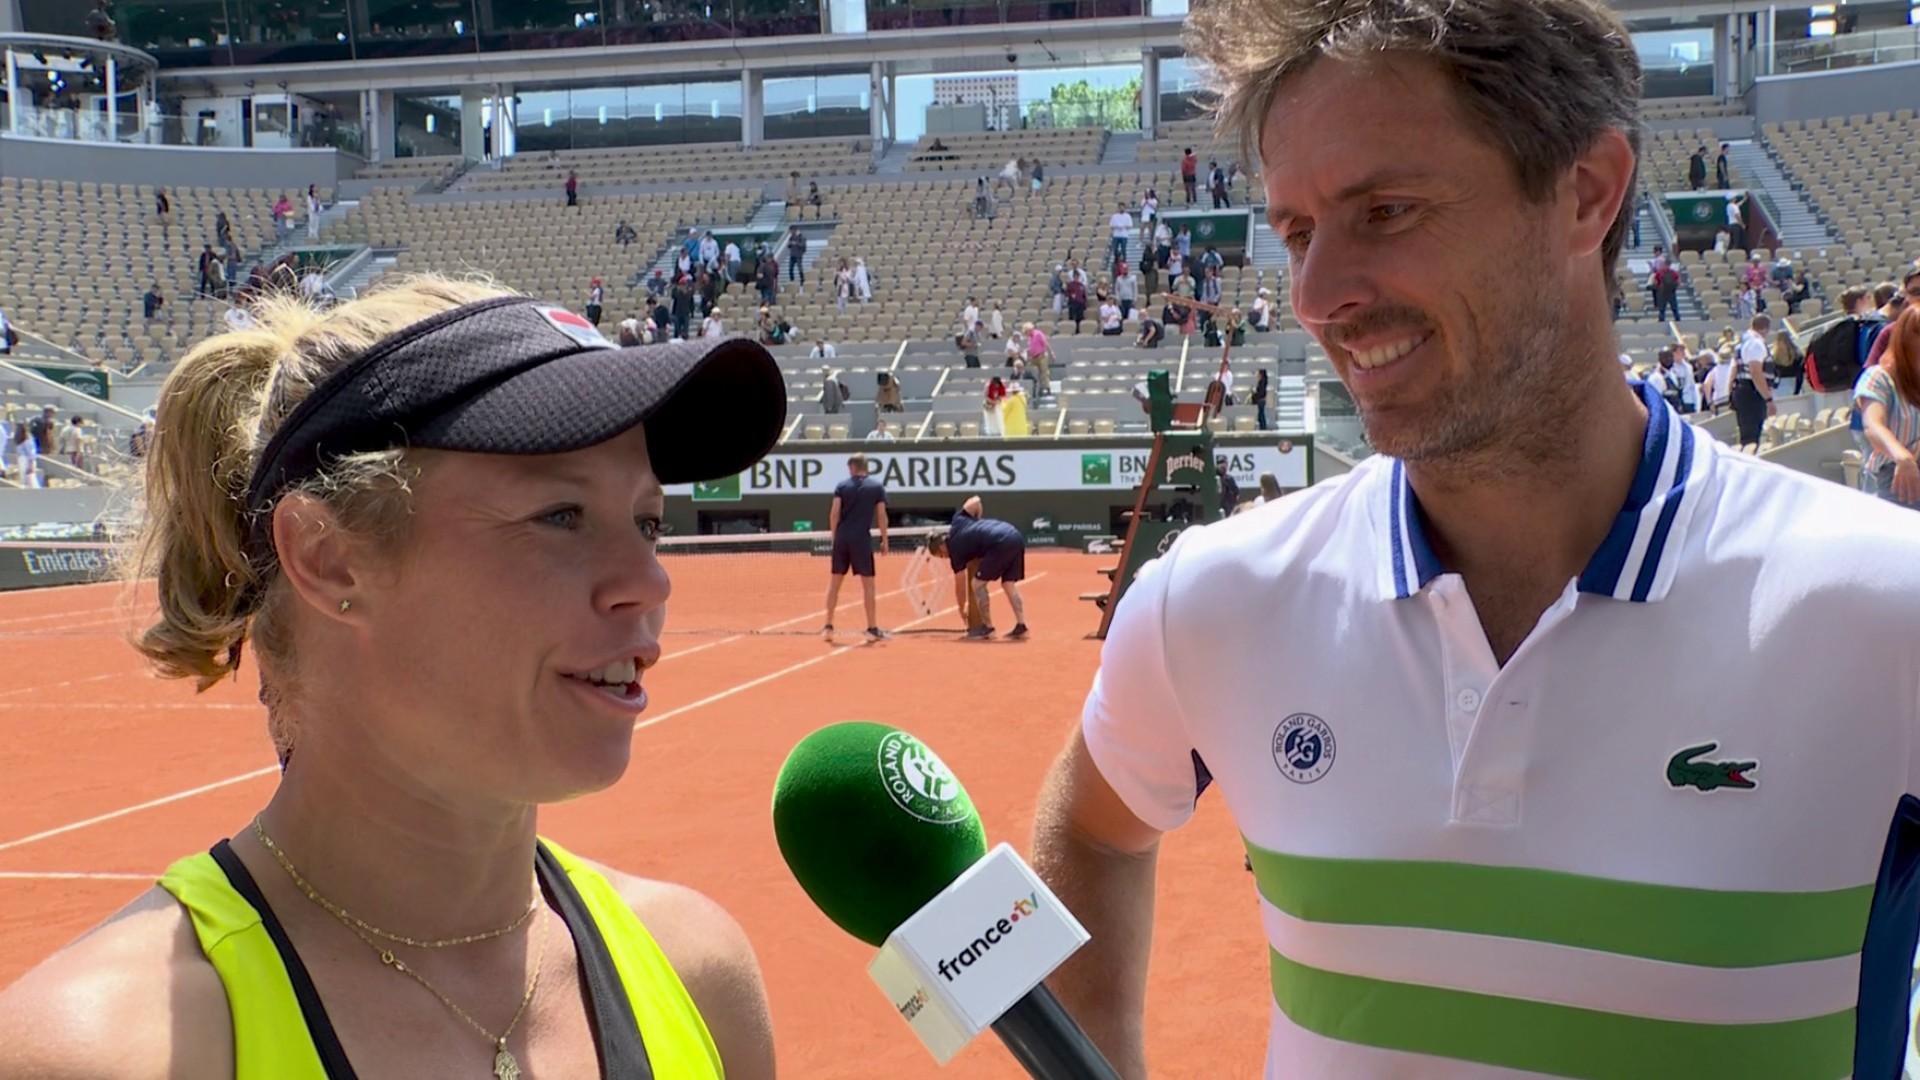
[1705, 927]
[1555, 1039]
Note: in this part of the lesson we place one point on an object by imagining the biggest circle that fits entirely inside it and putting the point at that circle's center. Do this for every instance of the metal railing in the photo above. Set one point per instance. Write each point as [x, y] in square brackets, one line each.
[1847, 50]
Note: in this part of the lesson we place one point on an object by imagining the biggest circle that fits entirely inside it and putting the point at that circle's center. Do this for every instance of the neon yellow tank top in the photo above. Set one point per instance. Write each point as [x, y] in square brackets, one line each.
[271, 1040]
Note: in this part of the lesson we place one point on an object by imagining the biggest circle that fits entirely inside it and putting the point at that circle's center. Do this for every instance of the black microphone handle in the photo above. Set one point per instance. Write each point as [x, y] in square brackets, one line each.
[1047, 1043]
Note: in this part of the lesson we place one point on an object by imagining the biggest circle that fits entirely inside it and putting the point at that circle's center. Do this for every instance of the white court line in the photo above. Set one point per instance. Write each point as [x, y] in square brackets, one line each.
[57, 629]
[102, 677]
[856, 601]
[148, 805]
[647, 723]
[790, 669]
[72, 875]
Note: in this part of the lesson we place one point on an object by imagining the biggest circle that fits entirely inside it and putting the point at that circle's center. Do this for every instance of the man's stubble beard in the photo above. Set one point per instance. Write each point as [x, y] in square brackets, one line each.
[1514, 411]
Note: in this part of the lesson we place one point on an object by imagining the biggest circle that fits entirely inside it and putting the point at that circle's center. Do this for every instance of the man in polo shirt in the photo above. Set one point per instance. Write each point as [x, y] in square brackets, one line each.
[996, 551]
[859, 502]
[1517, 719]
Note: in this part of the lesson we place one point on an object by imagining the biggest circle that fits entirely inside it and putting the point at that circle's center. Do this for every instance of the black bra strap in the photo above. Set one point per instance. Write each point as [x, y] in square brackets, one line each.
[333, 1057]
[623, 1054]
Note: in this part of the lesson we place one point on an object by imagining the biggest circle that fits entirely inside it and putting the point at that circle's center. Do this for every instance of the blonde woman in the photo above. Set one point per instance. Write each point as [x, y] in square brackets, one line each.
[428, 516]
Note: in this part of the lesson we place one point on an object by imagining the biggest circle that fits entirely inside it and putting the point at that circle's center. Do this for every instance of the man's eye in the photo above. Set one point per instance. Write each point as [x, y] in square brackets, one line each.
[564, 517]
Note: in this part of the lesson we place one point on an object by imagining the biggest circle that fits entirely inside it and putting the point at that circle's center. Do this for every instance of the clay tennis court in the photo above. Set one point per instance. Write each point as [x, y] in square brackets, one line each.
[108, 773]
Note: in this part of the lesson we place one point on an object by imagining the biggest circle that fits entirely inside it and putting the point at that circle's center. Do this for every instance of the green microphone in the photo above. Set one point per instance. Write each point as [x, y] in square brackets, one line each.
[873, 825]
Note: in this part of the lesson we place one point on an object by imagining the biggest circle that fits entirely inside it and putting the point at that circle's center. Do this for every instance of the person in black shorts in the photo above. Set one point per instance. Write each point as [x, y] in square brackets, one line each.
[859, 502]
[997, 552]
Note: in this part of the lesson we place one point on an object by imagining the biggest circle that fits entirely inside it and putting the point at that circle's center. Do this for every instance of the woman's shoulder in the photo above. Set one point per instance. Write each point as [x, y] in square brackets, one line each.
[131, 999]
[710, 953]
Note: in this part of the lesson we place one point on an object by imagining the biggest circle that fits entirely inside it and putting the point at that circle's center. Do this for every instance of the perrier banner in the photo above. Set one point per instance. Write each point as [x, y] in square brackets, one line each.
[1227, 230]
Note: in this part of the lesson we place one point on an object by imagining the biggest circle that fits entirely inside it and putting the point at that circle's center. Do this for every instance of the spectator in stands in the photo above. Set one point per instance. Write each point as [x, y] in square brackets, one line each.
[1151, 333]
[152, 302]
[1797, 293]
[1183, 243]
[796, 255]
[1908, 296]
[45, 430]
[969, 315]
[862, 280]
[1269, 489]
[1149, 216]
[219, 277]
[1109, 316]
[1665, 283]
[73, 442]
[1888, 398]
[222, 230]
[682, 307]
[732, 256]
[996, 322]
[1755, 273]
[1697, 169]
[842, 285]
[1016, 350]
[1040, 359]
[990, 407]
[282, 216]
[1736, 220]
[1262, 393]
[1121, 227]
[969, 345]
[886, 394]
[572, 188]
[1261, 315]
[1057, 287]
[1008, 177]
[1149, 279]
[1217, 185]
[714, 326]
[1752, 394]
[8, 335]
[26, 453]
[1125, 292]
[313, 211]
[793, 192]
[623, 233]
[1229, 488]
[1210, 289]
[1037, 180]
[1717, 387]
[1781, 272]
[163, 207]
[881, 432]
[629, 335]
[813, 197]
[833, 392]
[709, 252]
[1723, 173]
[596, 296]
[1746, 303]
[1190, 175]
[822, 348]
[1789, 363]
[657, 285]
[769, 280]
[142, 438]
[1076, 300]
[100, 25]
[1162, 243]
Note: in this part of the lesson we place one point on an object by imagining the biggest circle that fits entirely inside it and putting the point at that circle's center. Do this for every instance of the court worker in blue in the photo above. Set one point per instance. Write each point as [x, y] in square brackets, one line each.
[997, 551]
[859, 501]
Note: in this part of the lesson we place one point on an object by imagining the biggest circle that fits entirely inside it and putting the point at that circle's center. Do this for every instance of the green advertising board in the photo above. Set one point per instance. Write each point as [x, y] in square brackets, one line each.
[1227, 230]
[725, 489]
[86, 380]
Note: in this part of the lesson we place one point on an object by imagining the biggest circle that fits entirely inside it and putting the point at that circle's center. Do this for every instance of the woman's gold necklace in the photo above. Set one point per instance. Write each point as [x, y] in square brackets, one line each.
[504, 1065]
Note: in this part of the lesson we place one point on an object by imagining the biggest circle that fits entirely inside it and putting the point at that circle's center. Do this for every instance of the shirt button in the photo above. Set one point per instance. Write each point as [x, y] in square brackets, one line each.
[1468, 700]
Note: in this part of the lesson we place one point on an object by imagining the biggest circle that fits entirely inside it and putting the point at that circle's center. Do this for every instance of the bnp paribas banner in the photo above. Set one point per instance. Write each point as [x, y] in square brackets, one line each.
[975, 471]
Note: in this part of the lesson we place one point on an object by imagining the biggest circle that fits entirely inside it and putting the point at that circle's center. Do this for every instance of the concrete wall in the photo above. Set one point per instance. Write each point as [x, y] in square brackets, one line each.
[1806, 96]
[189, 166]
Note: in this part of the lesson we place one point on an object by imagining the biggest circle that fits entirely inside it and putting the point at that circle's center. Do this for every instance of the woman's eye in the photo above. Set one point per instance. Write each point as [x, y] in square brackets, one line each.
[1389, 211]
[564, 517]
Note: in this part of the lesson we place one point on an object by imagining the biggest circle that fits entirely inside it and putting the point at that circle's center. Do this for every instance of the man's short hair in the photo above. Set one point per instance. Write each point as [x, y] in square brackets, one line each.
[1761, 322]
[1884, 293]
[858, 463]
[1850, 297]
[1541, 78]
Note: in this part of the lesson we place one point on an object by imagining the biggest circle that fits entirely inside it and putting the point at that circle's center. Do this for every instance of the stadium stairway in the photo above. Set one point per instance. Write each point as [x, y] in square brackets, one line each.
[894, 161]
[1639, 259]
[361, 277]
[1801, 225]
[1123, 148]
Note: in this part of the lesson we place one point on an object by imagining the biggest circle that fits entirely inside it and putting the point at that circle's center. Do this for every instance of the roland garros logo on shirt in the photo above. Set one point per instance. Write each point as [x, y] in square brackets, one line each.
[1303, 748]
[919, 781]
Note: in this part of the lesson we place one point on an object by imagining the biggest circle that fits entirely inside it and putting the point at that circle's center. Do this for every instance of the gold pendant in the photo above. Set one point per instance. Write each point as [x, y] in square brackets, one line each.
[504, 1067]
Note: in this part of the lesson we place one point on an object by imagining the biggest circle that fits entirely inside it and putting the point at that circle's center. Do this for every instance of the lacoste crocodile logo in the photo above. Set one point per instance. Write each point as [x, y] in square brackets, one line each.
[1684, 771]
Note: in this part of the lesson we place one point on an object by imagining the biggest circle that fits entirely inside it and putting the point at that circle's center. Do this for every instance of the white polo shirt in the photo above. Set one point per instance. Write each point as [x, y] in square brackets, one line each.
[1646, 846]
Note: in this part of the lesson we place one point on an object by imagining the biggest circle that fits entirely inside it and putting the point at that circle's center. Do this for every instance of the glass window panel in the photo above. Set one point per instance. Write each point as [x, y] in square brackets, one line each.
[712, 112]
[289, 31]
[426, 125]
[599, 117]
[388, 28]
[1676, 61]
[636, 22]
[541, 121]
[541, 24]
[180, 33]
[655, 114]
[1179, 90]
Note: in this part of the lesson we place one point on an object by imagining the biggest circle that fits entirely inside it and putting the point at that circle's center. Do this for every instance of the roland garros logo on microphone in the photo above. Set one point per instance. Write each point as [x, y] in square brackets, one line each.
[919, 782]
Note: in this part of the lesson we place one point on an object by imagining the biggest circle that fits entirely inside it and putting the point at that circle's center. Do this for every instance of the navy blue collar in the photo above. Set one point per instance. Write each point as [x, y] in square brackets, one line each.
[1635, 562]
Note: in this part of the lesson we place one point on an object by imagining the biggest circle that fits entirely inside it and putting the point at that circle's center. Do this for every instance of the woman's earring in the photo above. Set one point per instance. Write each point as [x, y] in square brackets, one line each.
[344, 605]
